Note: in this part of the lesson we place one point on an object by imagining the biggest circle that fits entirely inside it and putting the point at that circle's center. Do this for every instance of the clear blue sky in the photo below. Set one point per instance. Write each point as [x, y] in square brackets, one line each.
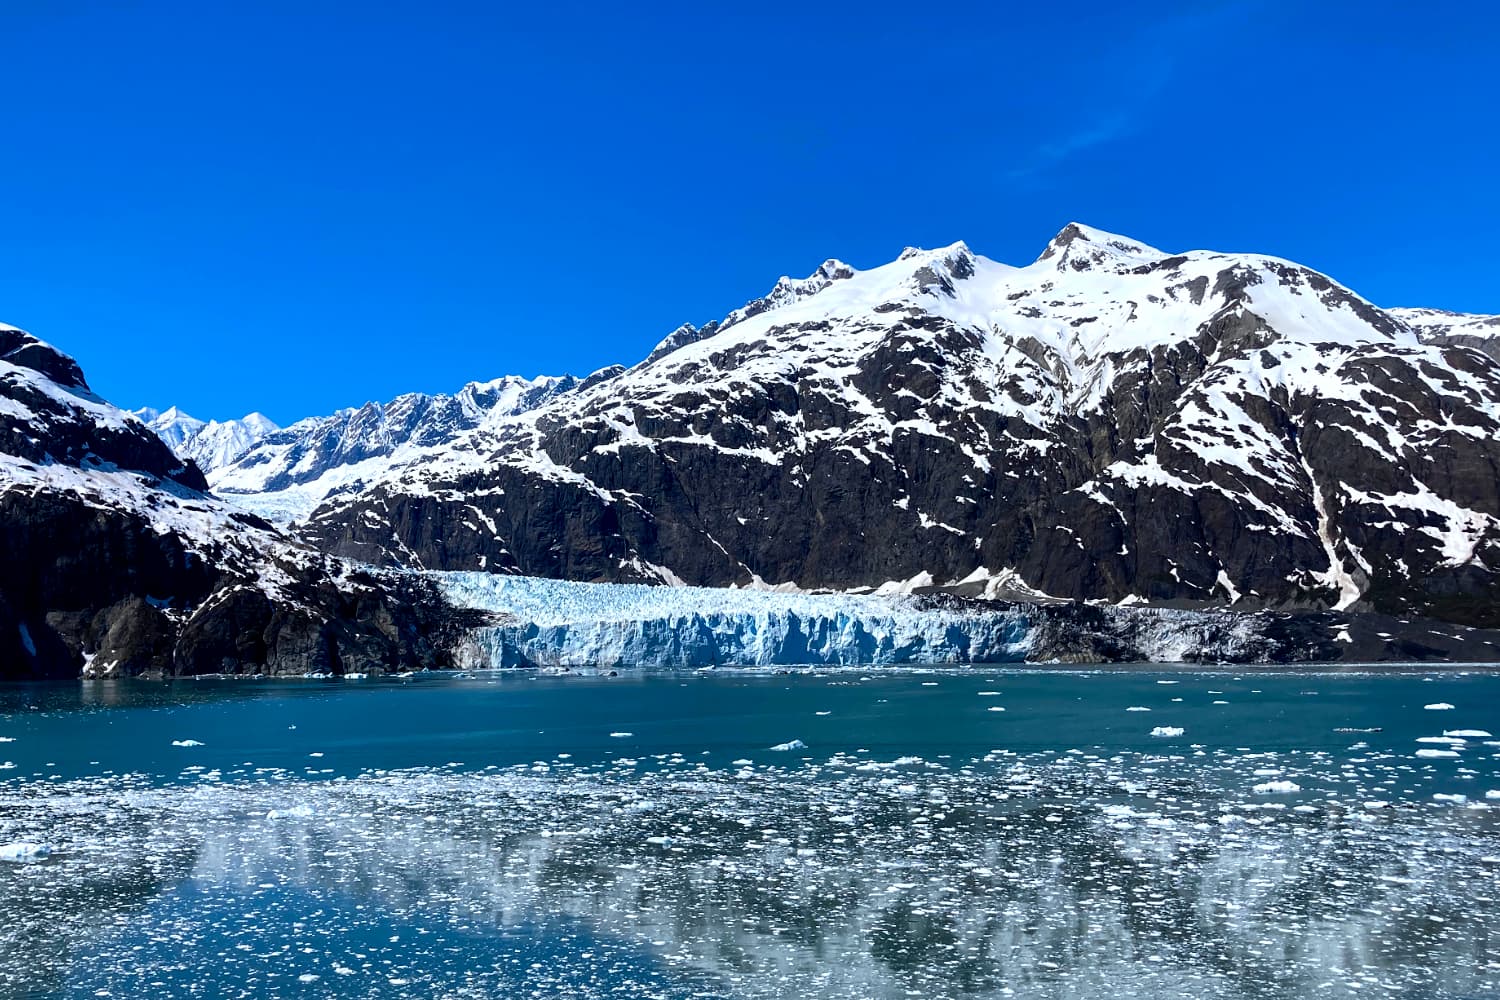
[294, 207]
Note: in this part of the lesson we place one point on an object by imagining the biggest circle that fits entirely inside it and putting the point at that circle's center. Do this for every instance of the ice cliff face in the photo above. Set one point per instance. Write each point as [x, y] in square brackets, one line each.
[551, 623]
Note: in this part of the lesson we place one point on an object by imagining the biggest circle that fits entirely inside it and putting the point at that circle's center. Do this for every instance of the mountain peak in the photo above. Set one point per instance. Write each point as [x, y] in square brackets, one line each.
[25, 351]
[952, 250]
[1098, 242]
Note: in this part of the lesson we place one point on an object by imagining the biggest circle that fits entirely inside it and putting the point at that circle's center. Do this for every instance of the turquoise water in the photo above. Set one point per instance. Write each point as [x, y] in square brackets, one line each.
[952, 833]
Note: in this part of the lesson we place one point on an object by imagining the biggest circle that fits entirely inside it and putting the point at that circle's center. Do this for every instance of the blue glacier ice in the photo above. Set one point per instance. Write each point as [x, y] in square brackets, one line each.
[553, 623]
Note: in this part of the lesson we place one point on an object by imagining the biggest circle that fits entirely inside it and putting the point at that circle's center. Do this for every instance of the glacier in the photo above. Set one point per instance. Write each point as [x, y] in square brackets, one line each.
[545, 623]
[554, 623]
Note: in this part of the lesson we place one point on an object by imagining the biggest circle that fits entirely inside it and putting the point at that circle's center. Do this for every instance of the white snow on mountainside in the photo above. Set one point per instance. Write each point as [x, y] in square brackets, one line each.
[283, 473]
[213, 444]
[91, 453]
[1438, 326]
[1054, 334]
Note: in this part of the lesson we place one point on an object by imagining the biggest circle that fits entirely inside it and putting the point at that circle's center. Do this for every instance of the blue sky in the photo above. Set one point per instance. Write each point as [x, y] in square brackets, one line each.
[294, 207]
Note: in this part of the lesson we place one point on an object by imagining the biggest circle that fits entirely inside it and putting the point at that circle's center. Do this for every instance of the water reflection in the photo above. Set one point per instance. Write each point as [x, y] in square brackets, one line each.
[1043, 876]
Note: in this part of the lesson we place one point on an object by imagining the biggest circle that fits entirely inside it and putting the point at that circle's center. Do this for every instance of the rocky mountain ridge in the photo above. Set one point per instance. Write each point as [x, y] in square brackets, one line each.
[1109, 423]
[283, 473]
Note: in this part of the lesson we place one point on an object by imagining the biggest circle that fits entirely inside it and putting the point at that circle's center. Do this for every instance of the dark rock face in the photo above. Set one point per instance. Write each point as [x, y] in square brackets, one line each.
[1110, 423]
[115, 562]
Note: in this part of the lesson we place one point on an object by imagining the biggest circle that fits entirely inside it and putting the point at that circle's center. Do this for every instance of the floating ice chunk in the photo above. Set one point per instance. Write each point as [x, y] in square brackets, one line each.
[996, 708]
[1493, 793]
[1478, 734]
[822, 713]
[299, 811]
[1167, 731]
[988, 694]
[186, 743]
[790, 745]
[12, 739]
[22, 851]
[308, 977]
[1455, 799]
[1282, 787]
[621, 736]
[1437, 753]
[742, 762]
[1439, 706]
[1452, 741]
[1138, 708]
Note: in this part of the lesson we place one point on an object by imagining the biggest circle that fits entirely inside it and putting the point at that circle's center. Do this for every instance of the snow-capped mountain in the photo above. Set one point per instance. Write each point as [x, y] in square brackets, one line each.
[1438, 326]
[212, 444]
[117, 561]
[1110, 422]
[171, 425]
[283, 473]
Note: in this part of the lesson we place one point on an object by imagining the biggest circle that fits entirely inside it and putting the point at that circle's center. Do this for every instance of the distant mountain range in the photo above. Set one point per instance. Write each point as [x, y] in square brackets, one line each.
[1110, 423]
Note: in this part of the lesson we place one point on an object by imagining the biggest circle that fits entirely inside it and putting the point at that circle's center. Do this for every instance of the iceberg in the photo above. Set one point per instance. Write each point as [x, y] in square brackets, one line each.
[24, 851]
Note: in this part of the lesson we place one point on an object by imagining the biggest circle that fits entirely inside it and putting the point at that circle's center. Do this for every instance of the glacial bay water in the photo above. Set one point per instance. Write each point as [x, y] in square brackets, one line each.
[953, 833]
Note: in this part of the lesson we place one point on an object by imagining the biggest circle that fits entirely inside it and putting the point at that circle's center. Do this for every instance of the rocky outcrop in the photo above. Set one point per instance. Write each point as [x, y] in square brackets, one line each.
[117, 562]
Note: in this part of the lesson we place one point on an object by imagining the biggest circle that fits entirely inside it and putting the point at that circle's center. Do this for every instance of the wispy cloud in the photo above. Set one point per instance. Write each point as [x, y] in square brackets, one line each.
[1098, 133]
[1150, 63]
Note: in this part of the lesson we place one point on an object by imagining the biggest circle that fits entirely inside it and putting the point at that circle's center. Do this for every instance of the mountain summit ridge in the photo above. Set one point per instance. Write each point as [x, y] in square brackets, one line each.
[1110, 422]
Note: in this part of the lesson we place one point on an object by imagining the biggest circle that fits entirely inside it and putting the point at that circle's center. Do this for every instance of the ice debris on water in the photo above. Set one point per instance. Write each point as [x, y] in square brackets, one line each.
[1439, 706]
[23, 850]
[1167, 731]
[790, 745]
[840, 876]
[187, 743]
[1276, 788]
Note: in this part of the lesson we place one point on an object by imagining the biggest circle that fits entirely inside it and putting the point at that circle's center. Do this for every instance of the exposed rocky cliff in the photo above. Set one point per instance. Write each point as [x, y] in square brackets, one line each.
[117, 561]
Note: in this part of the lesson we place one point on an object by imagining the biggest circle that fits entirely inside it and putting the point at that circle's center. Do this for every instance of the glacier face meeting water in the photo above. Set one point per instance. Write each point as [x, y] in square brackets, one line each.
[943, 833]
